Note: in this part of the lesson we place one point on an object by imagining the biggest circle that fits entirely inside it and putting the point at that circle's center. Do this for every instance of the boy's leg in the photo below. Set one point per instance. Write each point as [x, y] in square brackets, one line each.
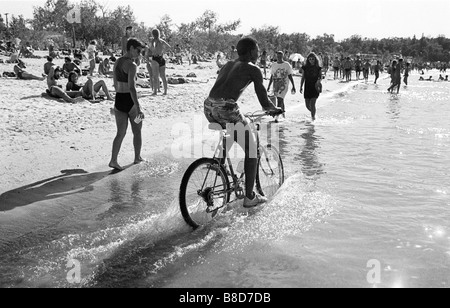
[280, 104]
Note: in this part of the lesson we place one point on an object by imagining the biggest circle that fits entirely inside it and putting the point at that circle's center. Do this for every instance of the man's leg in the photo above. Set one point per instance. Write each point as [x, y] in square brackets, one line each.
[122, 125]
[280, 104]
[58, 92]
[155, 69]
[102, 85]
[162, 72]
[28, 76]
[137, 137]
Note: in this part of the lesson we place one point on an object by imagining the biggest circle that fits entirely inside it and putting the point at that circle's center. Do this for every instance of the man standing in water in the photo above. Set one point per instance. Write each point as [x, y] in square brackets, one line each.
[281, 73]
[221, 107]
[127, 107]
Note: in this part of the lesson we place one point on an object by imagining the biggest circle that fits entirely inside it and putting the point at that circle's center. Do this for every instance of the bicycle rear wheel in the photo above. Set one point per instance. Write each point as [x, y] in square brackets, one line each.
[270, 173]
[203, 192]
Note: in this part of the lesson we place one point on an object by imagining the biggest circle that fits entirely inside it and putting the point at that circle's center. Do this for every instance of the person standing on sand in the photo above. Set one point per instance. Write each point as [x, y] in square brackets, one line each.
[263, 62]
[311, 77]
[406, 73]
[127, 107]
[158, 47]
[123, 43]
[91, 51]
[281, 73]
[221, 107]
[376, 70]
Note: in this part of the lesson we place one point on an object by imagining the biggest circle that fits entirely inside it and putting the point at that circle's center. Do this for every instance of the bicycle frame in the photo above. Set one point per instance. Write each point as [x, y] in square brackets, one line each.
[225, 160]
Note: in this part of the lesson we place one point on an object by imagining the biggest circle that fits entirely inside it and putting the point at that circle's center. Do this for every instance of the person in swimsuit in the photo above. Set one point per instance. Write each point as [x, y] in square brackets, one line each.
[21, 73]
[221, 107]
[127, 107]
[87, 90]
[311, 77]
[92, 53]
[158, 47]
[54, 89]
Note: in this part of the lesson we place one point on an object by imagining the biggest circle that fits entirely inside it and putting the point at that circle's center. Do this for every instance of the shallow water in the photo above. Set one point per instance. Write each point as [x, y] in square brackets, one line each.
[365, 204]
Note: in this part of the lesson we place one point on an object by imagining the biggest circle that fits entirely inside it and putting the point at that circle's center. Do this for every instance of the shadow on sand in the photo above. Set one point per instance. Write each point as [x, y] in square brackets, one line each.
[70, 181]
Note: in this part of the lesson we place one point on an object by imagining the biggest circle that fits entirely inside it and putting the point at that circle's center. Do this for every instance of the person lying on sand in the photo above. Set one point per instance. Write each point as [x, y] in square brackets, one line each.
[88, 90]
[21, 73]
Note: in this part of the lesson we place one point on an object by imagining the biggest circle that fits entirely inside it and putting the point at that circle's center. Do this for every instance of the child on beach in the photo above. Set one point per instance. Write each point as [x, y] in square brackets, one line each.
[281, 73]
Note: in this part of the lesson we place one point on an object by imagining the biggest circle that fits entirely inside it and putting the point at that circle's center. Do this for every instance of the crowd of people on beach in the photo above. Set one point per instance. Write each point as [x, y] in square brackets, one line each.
[243, 63]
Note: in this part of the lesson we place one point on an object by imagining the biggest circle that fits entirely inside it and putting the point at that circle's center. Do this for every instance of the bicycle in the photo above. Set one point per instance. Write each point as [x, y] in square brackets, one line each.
[208, 183]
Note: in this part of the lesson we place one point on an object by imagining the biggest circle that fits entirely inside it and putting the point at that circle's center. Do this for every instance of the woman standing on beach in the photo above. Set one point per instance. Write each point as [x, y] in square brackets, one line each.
[311, 77]
[127, 107]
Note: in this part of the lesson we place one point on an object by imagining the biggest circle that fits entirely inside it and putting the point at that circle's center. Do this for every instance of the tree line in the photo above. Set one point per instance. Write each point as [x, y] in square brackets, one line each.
[203, 35]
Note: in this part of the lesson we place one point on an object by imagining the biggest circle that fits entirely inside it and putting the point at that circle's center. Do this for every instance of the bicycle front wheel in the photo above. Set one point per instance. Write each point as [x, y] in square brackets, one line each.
[270, 173]
[203, 192]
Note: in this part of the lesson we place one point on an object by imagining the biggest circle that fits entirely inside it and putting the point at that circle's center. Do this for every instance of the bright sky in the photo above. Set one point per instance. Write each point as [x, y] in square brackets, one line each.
[343, 18]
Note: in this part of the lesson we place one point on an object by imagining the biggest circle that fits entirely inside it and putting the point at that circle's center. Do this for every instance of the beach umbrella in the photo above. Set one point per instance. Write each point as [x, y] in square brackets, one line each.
[296, 57]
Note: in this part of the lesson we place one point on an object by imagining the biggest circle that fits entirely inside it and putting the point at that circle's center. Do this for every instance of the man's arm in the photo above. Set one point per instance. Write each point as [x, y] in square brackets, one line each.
[114, 75]
[261, 92]
[270, 82]
[132, 84]
[302, 82]
[292, 81]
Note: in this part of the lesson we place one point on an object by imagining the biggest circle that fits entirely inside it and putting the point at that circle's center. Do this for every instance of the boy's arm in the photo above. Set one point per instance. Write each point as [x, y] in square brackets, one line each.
[261, 92]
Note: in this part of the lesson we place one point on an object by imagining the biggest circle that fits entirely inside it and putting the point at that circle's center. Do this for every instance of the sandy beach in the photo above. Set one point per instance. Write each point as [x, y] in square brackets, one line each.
[40, 136]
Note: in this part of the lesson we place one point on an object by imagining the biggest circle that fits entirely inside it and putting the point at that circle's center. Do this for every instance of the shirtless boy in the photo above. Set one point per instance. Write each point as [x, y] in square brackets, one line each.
[221, 106]
[158, 47]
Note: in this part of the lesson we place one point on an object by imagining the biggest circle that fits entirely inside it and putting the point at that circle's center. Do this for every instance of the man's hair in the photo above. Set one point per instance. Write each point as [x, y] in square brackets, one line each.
[246, 45]
[155, 32]
[49, 59]
[68, 59]
[135, 43]
[128, 28]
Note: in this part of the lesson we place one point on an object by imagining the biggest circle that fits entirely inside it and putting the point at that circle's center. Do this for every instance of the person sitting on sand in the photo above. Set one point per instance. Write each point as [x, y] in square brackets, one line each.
[88, 90]
[55, 90]
[21, 73]
[441, 78]
[104, 68]
[48, 65]
[446, 78]
[70, 66]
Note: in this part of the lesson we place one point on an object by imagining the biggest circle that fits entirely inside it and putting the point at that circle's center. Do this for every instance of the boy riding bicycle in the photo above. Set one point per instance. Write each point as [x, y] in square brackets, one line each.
[221, 107]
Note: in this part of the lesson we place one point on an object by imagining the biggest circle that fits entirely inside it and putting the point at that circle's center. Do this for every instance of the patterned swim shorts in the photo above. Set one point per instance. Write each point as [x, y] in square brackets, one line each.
[223, 111]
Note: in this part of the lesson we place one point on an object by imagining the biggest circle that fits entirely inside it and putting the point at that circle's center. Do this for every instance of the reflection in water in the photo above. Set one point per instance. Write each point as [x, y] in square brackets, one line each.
[308, 156]
[394, 107]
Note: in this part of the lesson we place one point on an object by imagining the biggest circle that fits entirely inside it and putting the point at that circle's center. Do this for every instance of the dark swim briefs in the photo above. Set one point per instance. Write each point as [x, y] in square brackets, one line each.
[160, 60]
[124, 102]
